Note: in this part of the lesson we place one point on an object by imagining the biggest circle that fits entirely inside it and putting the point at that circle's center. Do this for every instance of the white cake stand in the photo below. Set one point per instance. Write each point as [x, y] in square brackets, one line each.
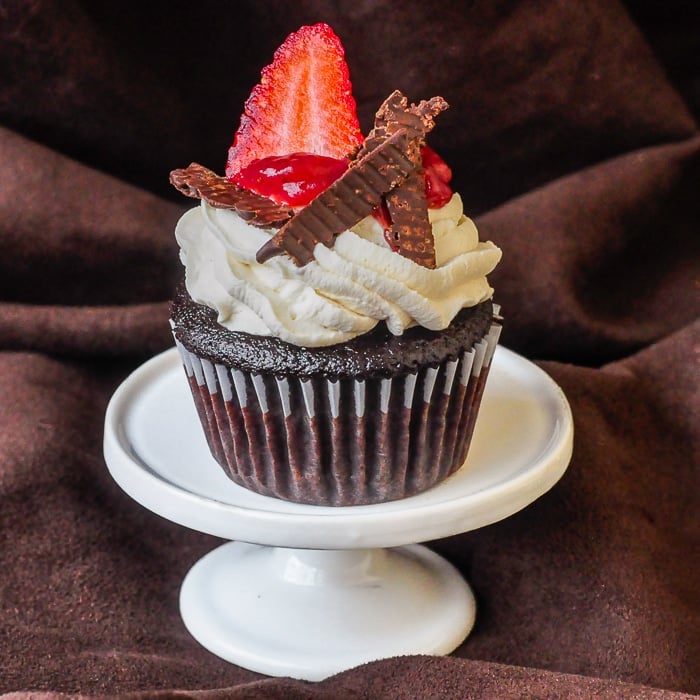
[308, 591]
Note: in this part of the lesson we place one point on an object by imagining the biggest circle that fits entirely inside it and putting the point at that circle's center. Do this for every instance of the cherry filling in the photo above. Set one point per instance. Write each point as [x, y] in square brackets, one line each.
[294, 180]
[437, 177]
[298, 178]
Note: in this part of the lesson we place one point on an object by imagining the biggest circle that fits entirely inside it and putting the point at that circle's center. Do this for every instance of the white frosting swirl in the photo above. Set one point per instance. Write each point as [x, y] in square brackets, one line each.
[345, 291]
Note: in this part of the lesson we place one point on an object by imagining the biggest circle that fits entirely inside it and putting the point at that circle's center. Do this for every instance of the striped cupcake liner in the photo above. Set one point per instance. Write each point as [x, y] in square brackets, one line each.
[342, 442]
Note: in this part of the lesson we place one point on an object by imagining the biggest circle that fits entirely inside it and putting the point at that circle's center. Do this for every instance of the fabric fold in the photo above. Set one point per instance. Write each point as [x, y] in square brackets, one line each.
[573, 137]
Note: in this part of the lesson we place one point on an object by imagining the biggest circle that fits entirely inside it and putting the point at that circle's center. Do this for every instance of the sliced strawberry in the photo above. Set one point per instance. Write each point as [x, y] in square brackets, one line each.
[303, 103]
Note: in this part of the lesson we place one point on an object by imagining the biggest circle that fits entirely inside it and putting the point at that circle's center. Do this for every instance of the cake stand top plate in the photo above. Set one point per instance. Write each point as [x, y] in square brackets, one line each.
[155, 450]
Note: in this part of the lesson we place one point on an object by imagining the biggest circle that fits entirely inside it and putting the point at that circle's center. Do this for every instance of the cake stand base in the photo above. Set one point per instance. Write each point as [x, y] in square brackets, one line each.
[323, 589]
[309, 614]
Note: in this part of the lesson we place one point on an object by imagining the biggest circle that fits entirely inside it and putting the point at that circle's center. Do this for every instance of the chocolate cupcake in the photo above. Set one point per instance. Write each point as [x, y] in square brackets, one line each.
[335, 323]
[378, 418]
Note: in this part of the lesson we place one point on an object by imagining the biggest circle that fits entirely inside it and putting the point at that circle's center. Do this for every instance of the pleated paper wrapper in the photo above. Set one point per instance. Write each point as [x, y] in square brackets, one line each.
[341, 442]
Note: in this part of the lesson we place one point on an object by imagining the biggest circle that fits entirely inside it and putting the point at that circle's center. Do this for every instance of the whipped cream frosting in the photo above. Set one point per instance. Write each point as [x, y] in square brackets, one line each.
[346, 291]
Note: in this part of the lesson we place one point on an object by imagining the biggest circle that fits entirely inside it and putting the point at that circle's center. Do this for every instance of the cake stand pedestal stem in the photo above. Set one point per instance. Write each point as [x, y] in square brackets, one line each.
[309, 613]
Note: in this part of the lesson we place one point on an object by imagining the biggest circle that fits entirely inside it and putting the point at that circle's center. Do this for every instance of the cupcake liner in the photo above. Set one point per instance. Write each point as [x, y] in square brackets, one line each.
[341, 442]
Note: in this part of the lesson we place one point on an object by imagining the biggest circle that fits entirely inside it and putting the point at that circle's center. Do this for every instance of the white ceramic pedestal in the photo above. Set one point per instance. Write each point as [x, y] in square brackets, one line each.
[308, 591]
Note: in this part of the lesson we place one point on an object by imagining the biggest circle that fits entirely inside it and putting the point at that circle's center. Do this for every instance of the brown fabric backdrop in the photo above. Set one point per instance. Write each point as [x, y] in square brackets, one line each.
[574, 140]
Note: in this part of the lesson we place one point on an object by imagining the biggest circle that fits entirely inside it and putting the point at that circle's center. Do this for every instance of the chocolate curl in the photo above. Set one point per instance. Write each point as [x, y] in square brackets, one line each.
[200, 182]
[348, 200]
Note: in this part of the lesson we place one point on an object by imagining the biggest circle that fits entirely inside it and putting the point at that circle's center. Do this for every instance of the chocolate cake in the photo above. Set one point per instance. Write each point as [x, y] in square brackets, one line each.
[374, 355]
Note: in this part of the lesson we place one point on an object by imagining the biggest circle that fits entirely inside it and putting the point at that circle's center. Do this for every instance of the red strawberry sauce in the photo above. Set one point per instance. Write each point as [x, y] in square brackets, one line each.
[298, 178]
[294, 180]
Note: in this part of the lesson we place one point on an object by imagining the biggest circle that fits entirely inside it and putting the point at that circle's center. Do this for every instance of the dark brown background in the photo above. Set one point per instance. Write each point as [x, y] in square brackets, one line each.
[574, 140]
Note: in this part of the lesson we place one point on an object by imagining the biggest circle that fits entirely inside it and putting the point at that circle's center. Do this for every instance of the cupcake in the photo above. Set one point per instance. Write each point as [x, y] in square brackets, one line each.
[335, 320]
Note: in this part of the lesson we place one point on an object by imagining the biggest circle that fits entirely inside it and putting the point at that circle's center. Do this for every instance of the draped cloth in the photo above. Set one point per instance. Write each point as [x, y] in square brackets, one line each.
[573, 137]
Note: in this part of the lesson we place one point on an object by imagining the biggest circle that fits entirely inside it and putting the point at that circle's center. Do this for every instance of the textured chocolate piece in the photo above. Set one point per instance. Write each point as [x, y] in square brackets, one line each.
[410, 226]
[202, 183]
[374, 354]
[407, 206]
[348, 200]
[396, 114]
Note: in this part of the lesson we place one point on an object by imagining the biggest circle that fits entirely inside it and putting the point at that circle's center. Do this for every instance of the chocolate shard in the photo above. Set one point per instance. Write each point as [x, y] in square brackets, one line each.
[348, 200]
[410, 226]
[200, 182]
[395, 113]
[407, 206]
